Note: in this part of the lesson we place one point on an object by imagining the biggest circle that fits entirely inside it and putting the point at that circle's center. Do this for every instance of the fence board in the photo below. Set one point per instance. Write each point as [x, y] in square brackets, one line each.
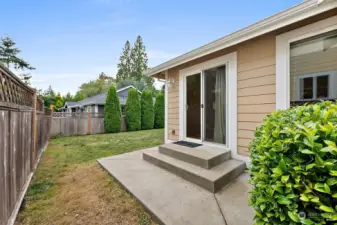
[71, 124]
[16, 141]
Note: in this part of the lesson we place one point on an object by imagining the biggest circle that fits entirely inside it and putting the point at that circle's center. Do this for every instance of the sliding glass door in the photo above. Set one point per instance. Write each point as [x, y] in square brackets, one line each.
[215, 105]
[206, 106]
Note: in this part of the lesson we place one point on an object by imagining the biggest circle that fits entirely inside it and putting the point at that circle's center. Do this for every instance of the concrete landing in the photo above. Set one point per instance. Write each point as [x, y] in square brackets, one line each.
[175, 201]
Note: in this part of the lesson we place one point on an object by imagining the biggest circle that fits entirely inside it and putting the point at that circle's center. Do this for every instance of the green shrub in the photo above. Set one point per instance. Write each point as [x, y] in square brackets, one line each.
[147, 111]
[159, 109]
[294, 166]
[132, 114]
[112, 112]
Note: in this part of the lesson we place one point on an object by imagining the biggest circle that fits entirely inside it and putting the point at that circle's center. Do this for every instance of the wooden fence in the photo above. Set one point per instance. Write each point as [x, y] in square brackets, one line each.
[81, 123]
[24, 133]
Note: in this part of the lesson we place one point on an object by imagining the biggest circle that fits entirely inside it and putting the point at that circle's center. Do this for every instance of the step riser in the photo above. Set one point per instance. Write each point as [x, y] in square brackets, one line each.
[206, 164]
[204, 183]
[193, 178]
[228, 177]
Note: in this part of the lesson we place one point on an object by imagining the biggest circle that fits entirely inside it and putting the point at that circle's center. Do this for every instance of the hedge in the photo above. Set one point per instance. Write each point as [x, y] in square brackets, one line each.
[112, 112]
[294, 166]
[159, 109]
[133, 112]
[147, 110]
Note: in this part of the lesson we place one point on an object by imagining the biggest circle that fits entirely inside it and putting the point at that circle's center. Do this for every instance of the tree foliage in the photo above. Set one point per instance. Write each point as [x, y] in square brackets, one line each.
[58, 102]
[159, 110]
[112, 112]
[124, 65]
[48, 96]
[133, 63]
[95, 87]
[294, 166]
[133, 112]
[68, 97]
[9, 57]
[124, 83]
[147, 110]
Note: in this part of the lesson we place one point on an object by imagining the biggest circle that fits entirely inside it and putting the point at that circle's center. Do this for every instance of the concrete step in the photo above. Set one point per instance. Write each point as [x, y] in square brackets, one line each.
[203, 156]
[212, 180]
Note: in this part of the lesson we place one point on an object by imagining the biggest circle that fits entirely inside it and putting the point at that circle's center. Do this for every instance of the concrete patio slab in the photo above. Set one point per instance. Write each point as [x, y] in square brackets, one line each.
[175, 201]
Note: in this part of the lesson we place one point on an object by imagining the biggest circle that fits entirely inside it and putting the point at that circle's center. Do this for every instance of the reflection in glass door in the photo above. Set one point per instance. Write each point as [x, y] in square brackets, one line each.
[215, 102]
[193, 98]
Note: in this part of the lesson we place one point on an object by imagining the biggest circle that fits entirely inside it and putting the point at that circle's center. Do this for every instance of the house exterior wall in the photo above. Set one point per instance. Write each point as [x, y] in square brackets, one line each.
[256, 86]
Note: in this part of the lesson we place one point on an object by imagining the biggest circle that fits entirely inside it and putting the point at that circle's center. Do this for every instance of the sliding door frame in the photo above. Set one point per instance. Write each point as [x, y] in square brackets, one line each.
[230, 60]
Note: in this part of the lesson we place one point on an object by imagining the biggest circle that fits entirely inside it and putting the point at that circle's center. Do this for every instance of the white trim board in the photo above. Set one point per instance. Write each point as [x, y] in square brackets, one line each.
[304, 10]
[231, 61]
[283, 55]
[166, 108]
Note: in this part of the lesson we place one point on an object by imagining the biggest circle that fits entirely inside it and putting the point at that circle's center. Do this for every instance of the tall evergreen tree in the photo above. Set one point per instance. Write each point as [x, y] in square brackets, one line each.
[147, 111]
[9, 55]
[58, 102]
[124, 65]
[159, 111]
[68, 97]
[133, 113]
[112, 112]
[138, 59]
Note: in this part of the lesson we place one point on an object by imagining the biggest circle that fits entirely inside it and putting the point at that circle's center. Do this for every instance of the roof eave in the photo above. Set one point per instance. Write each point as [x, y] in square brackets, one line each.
[297, 13]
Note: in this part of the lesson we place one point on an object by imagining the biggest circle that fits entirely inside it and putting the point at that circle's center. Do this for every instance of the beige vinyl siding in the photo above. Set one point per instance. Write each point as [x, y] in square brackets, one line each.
[173, 106]
[256, 87]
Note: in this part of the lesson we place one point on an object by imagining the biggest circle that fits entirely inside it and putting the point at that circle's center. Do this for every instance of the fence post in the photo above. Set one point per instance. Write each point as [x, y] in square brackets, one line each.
[89, 122]
[34, 126]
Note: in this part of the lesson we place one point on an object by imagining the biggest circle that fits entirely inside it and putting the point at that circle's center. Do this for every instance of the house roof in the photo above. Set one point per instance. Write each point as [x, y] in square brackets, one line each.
[304, 10]
[100, 99]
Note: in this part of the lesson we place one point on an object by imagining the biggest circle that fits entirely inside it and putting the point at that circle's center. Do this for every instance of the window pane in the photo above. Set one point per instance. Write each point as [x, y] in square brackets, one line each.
[313, 57]
[307, 88]
[322, 87]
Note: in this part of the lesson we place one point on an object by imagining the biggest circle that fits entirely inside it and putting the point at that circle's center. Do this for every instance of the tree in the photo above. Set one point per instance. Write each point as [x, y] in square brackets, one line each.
[9, 57]
[133, 112]
[48, 96]
[58, 102]
[68, 97]
[25, 77]
[124, 65]
[112, 112]
[79, 96]
[138, 60]
[98, 86]
[159, 109]
[127, 82]
[147, 111]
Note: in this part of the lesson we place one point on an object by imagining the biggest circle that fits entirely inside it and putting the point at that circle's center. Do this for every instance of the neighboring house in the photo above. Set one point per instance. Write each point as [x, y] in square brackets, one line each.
[219, 93]
[96, 103]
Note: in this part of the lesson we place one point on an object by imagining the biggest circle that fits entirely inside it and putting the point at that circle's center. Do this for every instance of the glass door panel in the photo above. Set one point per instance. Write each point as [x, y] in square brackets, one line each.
[193, 112]
[215, 105]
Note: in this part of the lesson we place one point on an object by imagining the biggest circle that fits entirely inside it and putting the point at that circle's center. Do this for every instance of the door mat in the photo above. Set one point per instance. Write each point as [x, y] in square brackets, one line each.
[187, 144]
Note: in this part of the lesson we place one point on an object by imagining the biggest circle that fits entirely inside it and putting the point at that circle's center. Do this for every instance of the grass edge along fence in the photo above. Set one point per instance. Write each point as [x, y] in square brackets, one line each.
[24, 133]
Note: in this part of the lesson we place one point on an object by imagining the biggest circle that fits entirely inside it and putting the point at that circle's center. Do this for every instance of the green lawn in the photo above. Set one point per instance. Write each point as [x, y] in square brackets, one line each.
[70, 188]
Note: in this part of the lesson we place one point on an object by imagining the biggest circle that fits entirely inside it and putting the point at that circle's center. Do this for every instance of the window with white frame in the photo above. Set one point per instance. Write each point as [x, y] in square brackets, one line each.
[313, 68]
[312, 87]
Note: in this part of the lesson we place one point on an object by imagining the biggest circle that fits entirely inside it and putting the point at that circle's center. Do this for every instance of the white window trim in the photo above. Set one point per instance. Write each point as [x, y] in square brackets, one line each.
[283, 55]
[314, 76]
[231, 61]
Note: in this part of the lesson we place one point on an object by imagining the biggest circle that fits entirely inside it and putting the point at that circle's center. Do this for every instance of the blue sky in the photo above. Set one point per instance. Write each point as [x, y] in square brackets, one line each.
[72, 41]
